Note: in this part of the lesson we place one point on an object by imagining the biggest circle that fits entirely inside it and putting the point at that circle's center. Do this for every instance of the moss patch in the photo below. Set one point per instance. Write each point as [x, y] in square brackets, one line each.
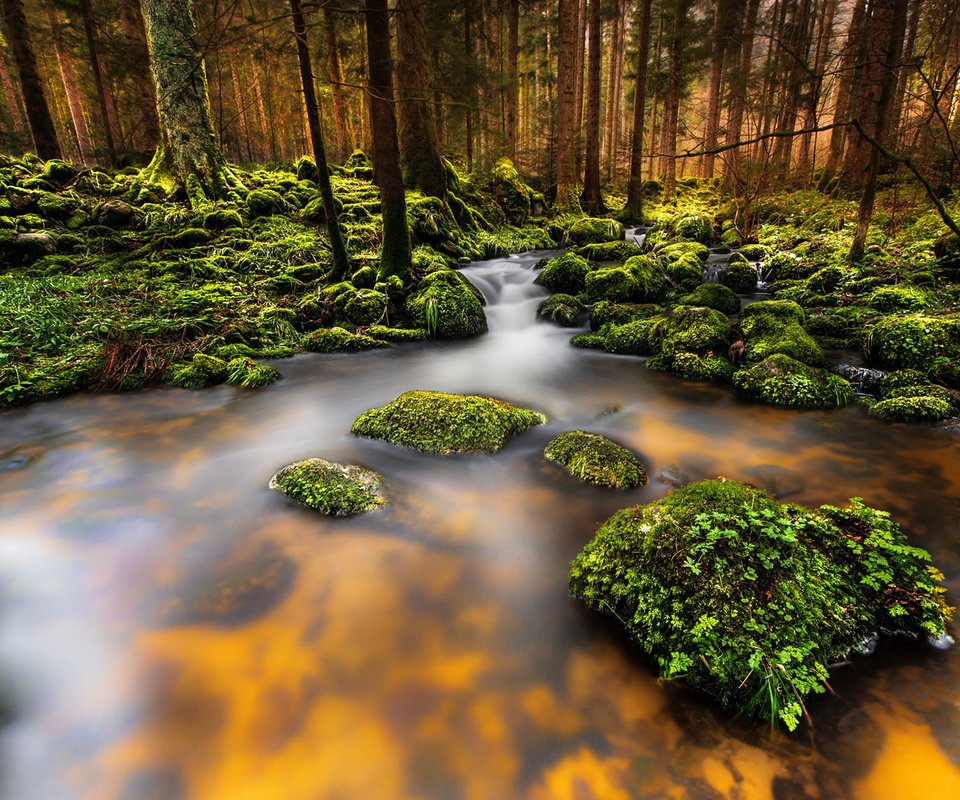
[783, 381]
[596, 459]
[713, 295]
[749, 599]
[446, 307]
[437, 422]
[337, 490]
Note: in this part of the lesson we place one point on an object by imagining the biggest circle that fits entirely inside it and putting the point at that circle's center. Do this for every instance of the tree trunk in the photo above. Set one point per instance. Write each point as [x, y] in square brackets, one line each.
[188, 154]
[590, 200]
[908, 63]
[852, 56]
[513, 87]
[138, 62]
[615, 71]
[888, 26]
[471, 92]
[673, 97]
[712, 121]
[738, 100]
[74, 102]
[15, 104]
[813, 97]
[341, 122]
[341, 263]
[108, 123]
[634, 207]
[38, 112]
[566, 147]
[260, 109]
[655, 103]
[395, 254]
[422, 165]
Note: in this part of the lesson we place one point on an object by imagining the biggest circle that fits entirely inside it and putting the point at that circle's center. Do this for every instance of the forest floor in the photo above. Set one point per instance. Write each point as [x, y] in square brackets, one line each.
[99, 294]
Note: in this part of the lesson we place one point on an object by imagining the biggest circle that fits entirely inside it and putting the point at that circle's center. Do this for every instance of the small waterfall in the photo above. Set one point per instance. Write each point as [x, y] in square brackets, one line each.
[716, 264]
[636, 234]
[507, 284]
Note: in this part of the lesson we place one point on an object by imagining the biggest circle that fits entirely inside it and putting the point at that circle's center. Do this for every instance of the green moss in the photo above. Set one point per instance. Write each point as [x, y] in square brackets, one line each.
[446, 307]
[59, 172]
[899, 298]
[605, 312]
[691, 329]
[694, 367]
[510, 191]
[437, 422]
[204, 370]
[265, 203]
[366, 278]
[685, 273]
[676, 250]
[921, 408]
[563, 309]
[697, 227]
[755, 252]
[339, 340]
[592, 341]
[784, 381]
[249, 374]
[596, 459]
[221, 219]
[565, 274]
[650, 277]
[740, 277]
[749, 599]
[114, 213]
[618, 284]
[608, 251]
[398, 335]
[365, 307]
[306, 169]
[189, 237]
[930, 345]
[842, 327]
[713, 295]
[592, 230]
[788, 266]
[629, 339]
[775, 326]
[337, 490]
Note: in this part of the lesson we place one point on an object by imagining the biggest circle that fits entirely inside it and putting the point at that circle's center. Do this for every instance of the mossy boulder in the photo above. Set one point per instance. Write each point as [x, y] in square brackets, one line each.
[221, 219]
[921, 408]
[249, 374]
[618, 284]
[776, 326]
[565, 273]
[685, 273]
[563, 309]
[749, 599]
[784, 381]
[691, 329]
[113, 213]
[594, 458]
[605, 312]
[365, 307]
[899, 298]
[510, 191]
[608, 251]
[340, 340]
[694, 367]
[265, 203]
[204, 370]
[839, 327]
[785, 266]
[337, 490]
[930, 345]
[676, 250]
[591, 230]
[398, 335]
[740, 277]
[650, 276]
[755, 252]
[447, 307]
[437, 422]
[713, 295]
[629, 339]
[697, 227]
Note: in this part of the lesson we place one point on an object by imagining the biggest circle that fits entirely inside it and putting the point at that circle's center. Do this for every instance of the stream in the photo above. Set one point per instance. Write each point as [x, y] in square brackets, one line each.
[170, 628]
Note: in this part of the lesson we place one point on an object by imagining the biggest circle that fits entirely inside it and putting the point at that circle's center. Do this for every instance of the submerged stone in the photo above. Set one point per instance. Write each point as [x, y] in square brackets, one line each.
[596, 459]
[749, 599]
[337, 490]
[437, 422]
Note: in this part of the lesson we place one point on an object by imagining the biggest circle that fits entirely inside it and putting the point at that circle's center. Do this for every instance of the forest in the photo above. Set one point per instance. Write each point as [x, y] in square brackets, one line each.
[494, 398]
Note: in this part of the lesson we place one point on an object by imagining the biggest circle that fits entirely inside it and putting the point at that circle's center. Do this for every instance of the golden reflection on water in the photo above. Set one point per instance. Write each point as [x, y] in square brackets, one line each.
[428, 650]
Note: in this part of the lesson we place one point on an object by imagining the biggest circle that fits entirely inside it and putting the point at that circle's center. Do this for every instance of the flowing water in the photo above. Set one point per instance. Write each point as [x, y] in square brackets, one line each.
[170, 628]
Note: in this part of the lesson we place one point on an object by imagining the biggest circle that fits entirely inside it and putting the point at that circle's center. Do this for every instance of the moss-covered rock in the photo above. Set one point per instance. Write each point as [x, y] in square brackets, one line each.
[618, 284]
[204, 370]
[596, 459]
[629, 339]
[749, 599]
[713, 295]
[446, 306]
[249, 374]
[264, 203]
[340, 340]
[564, 274]
[691, 329]
[784, 381]
[605, 312]
[437, 422]
[928, 344]
[589, 341]
[398, 335]
[788, 266]
[755, 252]
[221, 219]
[697, 227]
[685, 273]
[714, 368]
[650, 276]
[510, 191]
[899, 298]
[776, 326]
[740, 277]
[608, 251]
[591, 230]
[673, 251]
[921, 408]
[114, 213]
[337, 490]
[563, 309]
[839, 327]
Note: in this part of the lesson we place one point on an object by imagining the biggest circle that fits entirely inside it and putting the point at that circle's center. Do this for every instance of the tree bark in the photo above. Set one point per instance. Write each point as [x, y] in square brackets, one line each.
[634, 207]
[471, 92]
[341, 121]
[14, 103]
[138, 62]
[712, 121]
[72, 92]
[188, 154]
[566, 147]
[590, 199]
[513, 87]
[108, 123]
[395, 251]
[418, 133]
[852, 56]
[341, 263]
[889, 25]
[673, 97]
[814, 96]
[614, 89]
[38, 112]
[738, 100]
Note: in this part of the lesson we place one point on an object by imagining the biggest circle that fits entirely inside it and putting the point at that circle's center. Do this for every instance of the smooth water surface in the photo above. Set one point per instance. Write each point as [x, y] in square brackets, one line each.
[170, 628]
